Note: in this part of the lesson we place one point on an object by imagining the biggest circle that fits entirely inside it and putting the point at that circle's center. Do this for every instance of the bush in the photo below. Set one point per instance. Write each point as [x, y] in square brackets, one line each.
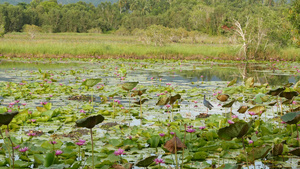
[95, 30]
[122, 31]
[31, 30]
[2, 31]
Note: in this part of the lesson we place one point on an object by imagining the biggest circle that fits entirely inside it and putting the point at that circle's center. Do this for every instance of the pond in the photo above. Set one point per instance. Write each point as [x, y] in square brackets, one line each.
[50, 98]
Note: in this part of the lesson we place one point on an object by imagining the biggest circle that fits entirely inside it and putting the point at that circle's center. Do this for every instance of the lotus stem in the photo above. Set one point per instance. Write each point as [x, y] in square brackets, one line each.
[176, 159]
[183, 148]
[141, 112]
[281, 107]
[5, 145]
[297, 134]
[12, 148]
[113, 113]
[92, 148]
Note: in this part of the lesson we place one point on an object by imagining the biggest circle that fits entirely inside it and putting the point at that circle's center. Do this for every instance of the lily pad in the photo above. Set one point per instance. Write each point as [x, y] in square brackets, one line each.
[91, 82]
[170, 144]
[238, 129]
[163, 101]
[295, 151]
[129, 85]
[146, 162]
[291, 118]
[232, 82]
[277, 149]
[249, 82]
[90, 122]
[174, 98]
[229, 104]
[276, 92]
[288, 95]
[259, 152]
[257, 109]
[6, 118]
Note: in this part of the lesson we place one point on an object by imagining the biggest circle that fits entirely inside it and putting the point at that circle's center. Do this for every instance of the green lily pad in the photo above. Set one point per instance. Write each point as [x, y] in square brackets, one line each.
[249, 82]
[200, 156]
[295, 151]
[276, 92]
[259, 152]
[91, 82]
[90, 122]
[259, 98]
[288, 95]
[163, 101]
[129, 85]
[277, 149]
[174, 98]
[6, 118]
[238, 129]
[146, 162]
[257, 109]
[291, 118]
[228, 104]
[232, 82]
[49, 159]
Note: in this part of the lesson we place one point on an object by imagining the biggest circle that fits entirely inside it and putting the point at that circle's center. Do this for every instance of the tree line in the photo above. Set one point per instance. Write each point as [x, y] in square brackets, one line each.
[265, 18]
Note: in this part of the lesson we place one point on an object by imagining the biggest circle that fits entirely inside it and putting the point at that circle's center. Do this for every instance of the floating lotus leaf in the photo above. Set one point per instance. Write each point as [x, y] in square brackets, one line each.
[272, 104]
[257, 109]
[163, 101]
[232, 82]
[288, 85]
[146, 162]
[295, 151]
[243, 109]
[277, 149]
[229, 104]
[288, 95]
[139, 92]
[228, 166]
[170, 145]
[142, 102]
[90, 122]
[174, 98]
[297, 85]
[129, 85]
[223, 97]
[6, 118]
[291, 118]
[296, 109]
[259, 152]
[91, 82]
[125, 166]
[287, 102]
[259, 98]
[276, 92]
[249, 82]
[238, 129]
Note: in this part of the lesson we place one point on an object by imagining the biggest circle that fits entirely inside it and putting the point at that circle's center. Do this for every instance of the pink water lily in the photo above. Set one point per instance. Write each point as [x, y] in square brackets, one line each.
[230, 121]
[23, 149]
[58, 152]
[159, 161]
[119, 152]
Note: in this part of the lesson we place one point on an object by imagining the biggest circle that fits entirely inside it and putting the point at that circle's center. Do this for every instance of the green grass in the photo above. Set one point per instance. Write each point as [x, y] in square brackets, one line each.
[85, 44]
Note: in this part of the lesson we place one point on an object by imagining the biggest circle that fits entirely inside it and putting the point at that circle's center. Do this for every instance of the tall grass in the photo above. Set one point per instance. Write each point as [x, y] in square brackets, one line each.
[85, 44]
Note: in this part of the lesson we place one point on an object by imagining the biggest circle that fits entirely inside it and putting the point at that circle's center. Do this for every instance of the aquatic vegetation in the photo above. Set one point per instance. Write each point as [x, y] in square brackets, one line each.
[143, 134]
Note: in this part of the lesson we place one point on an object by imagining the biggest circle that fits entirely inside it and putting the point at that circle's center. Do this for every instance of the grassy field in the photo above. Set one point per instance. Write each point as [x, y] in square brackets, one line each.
[72, 44]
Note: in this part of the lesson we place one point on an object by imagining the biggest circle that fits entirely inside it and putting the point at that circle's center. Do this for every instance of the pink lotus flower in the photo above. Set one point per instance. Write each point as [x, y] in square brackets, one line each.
[79, 143]
[162, 134]
[23, 104]
[172, 133]
[168, 84]
[251, 113]
[16, 147]
[151, 78]
[202, 127]
[23, 149]
[190, 126]
[190, 130]
[230, 121]
[234, 116]
[53, 142]
[82, 111]
[33, 120]
[58, 152]
[82, 141]
[119, 152]
[250, 141]
[159, 161]
[168, 106]
[31, 134]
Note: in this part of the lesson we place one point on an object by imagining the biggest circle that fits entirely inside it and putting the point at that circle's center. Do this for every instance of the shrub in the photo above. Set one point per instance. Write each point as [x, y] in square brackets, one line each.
[31, 30]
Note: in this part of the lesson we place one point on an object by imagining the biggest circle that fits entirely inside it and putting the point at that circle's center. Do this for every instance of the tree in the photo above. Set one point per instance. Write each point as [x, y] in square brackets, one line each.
[294, 18]
[2, 31]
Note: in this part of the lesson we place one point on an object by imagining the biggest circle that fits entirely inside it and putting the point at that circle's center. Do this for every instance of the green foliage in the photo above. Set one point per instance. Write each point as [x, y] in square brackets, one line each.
[2, 31]
[31, 30]
[294, 18]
